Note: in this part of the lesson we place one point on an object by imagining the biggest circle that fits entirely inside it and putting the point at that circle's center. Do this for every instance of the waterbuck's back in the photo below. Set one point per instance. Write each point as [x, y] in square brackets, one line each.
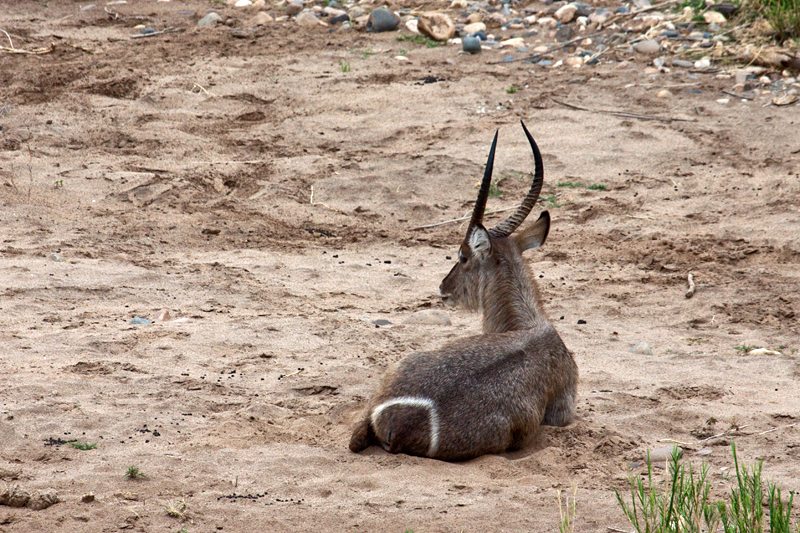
[482, 394]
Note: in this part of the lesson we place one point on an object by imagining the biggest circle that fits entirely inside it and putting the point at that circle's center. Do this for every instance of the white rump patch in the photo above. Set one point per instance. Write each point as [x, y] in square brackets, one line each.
[424, 403]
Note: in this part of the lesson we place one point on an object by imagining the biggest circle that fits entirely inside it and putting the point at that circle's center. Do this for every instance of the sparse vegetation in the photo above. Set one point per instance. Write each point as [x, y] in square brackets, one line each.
[177, 509]
[568, 511]
[597, 187]
[133, 473]
[570, 184]
[420, 39]
[344, 67]
[367, 53]
[783, 16]
[682, 504]
[512, 89]
[551, 201]
[494, 189]
[83, 446]
[744, 348]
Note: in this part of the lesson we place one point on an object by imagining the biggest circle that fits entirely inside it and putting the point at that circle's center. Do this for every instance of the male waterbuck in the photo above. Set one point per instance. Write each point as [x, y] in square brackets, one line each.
[488, 393]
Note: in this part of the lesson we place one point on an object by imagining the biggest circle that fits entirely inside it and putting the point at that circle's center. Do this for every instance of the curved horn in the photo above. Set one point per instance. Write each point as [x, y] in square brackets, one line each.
[510, 224]
[483, 194]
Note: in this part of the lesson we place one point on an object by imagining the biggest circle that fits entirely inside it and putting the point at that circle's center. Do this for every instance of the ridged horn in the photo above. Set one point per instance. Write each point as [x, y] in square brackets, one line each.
[510, 224]
[483, 194]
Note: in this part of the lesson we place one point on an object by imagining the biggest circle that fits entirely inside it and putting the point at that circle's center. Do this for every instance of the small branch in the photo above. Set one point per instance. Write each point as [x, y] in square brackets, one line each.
[684, 444]
[323, 204]
[143, 35]
[465, 217]
[726, 432]
[692, 287]
[742, 96]
[202, 89]
[776, 429]
[622, 114]
[10, 42]
[615, 530]
[632, 14]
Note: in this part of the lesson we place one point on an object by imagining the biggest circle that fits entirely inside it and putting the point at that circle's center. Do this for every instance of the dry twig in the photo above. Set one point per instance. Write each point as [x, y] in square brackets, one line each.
[465, 217]
[692, 287]
[622, 114]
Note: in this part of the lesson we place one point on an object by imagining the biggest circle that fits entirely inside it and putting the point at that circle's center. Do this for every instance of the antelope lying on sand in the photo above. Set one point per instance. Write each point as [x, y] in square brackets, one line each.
[487, 393]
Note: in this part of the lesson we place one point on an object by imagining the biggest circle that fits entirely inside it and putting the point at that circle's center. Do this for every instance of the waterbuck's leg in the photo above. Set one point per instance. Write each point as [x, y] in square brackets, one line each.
[561, 410]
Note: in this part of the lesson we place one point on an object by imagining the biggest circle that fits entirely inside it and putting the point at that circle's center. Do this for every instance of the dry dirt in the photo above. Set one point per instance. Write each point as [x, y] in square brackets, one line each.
[176, 172]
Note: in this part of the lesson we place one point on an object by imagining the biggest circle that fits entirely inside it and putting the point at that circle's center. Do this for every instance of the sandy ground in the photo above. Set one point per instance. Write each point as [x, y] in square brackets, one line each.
[158, 194]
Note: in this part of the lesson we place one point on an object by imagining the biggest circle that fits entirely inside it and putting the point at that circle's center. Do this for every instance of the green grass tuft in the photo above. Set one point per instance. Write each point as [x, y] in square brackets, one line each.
[512, 89]
[344, 67]
[783, 15]
[551, 201]
[597, 187]
[744, 348]
[83, 446]
[682, 504]
[420, 39]
[133, 473]
[570, 184]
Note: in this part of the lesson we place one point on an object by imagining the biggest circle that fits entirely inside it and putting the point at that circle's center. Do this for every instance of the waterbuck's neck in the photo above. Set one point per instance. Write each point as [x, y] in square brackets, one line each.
[510, 299]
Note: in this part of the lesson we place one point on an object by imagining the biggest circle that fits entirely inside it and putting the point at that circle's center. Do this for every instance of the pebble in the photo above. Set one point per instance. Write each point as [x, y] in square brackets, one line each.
[243, 3]
[642, 349]
[308, 19]
[209, 19]
[262, 18]
[714, 17]
[682, 63]
[412, 26]
[704, 451]
[648, 47]
[437, 26]
[381, 322]
[139, 320]
[564, 34]
[723, 100]
[516, 42]
[480, 35]
[88, 497]
[55, 257]
[574, 62]
[432, 317]
[548, 22]
[566, 14]
[659, 455]
[471, 45]
[147, 31]
[475, 27]
[333, 12]
[381, 20]
[702, 63]
[664, 93]
[163, 315]
[295, 7]
[339, 18]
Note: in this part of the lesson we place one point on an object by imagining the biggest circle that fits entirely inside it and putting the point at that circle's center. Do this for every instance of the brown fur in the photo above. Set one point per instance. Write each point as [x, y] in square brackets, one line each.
[490, 392]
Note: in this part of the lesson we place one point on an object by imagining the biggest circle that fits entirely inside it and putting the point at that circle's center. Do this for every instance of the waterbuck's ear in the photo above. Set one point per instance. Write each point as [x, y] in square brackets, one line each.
[534, 235]
[479, 244]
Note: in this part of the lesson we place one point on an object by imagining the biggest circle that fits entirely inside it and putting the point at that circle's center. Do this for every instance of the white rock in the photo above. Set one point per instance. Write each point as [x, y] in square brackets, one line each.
[429, 316]
[458, 4]
[262, 18]
[642, 349]
[514, 43]
[566, 13]
[702, 63]
[475, 27]
[243, 3]
[541, 49]
[723, 100]
[574, 62]
[648, 47]
[664, 93]
[763, 351]
[660, 455]
[308, 19]
[548, 22]
[713, 17]
[530, 20]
